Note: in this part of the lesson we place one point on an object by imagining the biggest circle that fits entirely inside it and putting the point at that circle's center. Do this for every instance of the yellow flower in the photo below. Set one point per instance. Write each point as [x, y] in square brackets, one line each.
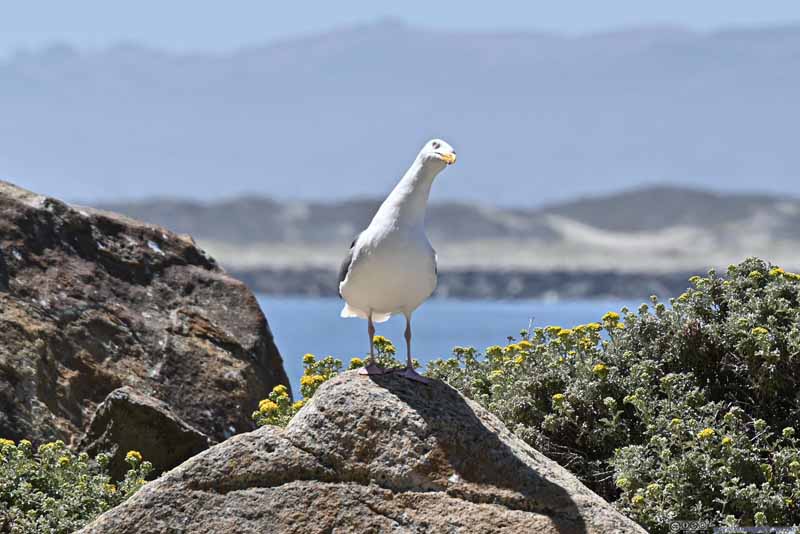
[110, 488]
[727, 441]
[494, 350]
[280, 390]
[299, 404]
[653, 489]
[497, 373]
[777, 271]
[356, 363]
[623, 483]
[266, 406]
[308, 358]
[307, 380]
[620, 326]
[600, 370]
[637, 500]
[759, 331]
[318, 379]
[706, 434]
[594, 327]
[755, 275]
[133, 456]
[676, 422]
[519, 360]
[553, 330]
[6, 442]
[525, 344]
[566, 332]
[611, 317]
[512, 348]
[64, 461]
[559, 397]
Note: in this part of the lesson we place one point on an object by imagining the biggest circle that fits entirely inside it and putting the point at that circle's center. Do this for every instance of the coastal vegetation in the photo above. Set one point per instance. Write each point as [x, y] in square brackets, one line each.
[53, 490]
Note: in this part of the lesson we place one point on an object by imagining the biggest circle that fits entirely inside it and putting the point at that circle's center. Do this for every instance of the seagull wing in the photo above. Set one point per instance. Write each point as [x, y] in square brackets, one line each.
[345, 267]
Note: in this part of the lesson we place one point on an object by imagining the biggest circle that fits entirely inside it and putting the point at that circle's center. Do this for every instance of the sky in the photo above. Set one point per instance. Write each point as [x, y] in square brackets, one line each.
[186, 25]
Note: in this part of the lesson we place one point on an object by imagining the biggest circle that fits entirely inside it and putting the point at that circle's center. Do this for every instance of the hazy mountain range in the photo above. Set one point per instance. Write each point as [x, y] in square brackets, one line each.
[649, 230]
[535, 117]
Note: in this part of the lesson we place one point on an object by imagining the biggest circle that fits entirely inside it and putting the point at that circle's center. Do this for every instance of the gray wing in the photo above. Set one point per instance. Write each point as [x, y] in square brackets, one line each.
[345, 267]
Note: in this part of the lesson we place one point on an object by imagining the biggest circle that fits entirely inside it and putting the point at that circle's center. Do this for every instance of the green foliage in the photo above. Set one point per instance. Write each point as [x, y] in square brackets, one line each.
[278, 409]
[54, 490]
[675, 412]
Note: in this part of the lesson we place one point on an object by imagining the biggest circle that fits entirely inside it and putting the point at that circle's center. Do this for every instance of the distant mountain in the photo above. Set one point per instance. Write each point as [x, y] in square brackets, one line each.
[248, 220]
[535, 117]
[654, 229]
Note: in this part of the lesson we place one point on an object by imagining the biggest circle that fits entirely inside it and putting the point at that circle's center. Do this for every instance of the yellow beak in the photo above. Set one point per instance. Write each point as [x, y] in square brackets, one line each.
[448, 158]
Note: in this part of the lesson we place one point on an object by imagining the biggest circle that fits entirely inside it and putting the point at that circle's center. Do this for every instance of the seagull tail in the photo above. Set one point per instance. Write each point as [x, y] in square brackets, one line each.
[380, 317]
[347, 311]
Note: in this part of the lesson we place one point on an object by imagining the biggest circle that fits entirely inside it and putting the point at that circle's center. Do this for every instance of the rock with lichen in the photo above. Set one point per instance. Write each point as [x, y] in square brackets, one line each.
[91, 301]
[370, 454]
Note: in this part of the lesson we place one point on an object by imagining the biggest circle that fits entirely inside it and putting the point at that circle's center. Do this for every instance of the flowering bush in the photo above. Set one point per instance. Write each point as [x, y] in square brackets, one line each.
[55, 490]
[278, 409]
[675, 412]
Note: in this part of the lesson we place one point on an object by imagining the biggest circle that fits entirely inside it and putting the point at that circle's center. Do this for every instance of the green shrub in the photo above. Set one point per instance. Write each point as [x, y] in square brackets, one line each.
[54, 490]
[675, 412]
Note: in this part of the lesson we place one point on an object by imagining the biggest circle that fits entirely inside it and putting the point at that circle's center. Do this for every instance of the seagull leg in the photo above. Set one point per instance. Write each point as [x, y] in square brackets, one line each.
[371, 368]
[409, 371]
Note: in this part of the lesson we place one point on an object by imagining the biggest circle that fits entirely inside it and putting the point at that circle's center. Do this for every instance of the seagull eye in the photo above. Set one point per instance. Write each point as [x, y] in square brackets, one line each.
[436, 145]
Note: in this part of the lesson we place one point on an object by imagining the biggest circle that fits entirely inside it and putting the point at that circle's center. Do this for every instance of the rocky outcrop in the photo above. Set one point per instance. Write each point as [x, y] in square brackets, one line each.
[128, 420]
[379, 454]
[91, 301]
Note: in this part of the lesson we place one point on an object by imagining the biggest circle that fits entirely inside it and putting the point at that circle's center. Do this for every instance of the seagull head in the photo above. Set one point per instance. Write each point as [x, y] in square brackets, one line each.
[437, 152]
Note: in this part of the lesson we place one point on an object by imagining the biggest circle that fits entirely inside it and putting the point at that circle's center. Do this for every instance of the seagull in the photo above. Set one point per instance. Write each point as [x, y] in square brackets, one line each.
[391, 266]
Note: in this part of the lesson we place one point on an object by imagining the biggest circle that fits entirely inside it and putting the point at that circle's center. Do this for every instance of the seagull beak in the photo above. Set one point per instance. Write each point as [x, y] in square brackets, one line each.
[448, 158]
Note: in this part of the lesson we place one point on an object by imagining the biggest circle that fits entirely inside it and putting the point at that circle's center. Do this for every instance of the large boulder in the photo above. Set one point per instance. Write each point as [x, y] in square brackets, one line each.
[92, 301]
[370, 454]
[128, 420]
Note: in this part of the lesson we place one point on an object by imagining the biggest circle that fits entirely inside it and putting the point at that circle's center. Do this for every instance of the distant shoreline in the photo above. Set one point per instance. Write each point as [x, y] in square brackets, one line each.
[493, 285]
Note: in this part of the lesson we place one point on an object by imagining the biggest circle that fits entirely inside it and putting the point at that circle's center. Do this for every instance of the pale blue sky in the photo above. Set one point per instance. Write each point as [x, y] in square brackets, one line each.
[186, 25]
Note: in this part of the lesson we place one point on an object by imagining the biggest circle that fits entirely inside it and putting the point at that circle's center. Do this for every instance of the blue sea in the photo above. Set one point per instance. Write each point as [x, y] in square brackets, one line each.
[302, 325]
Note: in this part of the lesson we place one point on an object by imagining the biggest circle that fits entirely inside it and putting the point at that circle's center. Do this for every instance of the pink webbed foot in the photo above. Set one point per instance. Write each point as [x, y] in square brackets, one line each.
[411, 374]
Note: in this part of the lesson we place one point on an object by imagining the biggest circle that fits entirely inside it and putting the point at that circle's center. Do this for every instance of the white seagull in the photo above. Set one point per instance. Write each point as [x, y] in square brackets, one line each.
[391, 266]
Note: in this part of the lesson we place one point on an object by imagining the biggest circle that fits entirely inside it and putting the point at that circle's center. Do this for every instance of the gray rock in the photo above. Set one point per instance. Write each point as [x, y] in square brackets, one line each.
[95, 301]
[127, 421]
[378, 454]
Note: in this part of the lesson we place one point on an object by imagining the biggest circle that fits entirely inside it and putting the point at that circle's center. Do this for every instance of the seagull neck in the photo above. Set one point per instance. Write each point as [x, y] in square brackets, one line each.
[409, 199]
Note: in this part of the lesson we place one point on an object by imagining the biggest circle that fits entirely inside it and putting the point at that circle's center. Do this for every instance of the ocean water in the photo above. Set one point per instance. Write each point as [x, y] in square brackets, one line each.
[302, 325]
